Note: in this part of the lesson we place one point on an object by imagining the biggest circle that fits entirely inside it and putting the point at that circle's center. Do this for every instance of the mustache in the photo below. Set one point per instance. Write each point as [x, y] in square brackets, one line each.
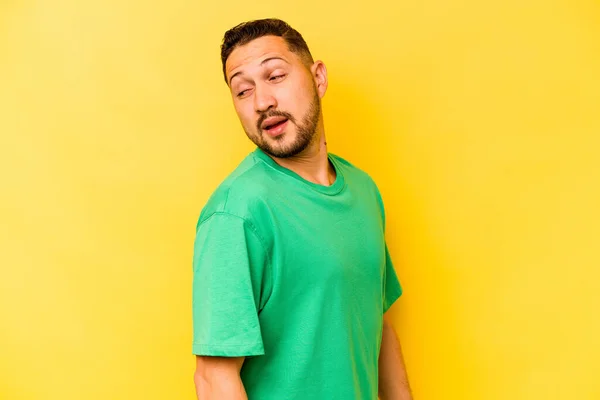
[273, 113]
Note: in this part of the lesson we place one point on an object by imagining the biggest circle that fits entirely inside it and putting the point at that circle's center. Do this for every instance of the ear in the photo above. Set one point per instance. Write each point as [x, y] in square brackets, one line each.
[319, 74]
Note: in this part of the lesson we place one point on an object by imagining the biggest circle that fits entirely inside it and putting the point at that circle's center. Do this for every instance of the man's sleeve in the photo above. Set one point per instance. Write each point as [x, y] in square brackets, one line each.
[392, 289]
[230, 277]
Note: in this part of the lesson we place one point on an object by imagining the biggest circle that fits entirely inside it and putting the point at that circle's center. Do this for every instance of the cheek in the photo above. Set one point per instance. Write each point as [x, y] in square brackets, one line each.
[290, 100]
[296, 99]
[246, 115]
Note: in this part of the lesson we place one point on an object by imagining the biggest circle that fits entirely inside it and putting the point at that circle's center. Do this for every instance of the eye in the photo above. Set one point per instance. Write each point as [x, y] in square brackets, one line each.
[276, 77]
[242, 93]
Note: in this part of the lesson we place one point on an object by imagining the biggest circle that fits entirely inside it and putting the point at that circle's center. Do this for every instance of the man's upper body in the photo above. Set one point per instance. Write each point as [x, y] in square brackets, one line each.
[292, 275]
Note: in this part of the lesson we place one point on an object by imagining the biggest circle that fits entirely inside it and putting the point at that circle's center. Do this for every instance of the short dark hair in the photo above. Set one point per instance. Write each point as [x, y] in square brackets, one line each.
[247, 31]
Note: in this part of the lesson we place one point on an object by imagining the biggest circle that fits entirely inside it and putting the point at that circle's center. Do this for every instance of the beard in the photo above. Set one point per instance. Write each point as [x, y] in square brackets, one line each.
[305, 132]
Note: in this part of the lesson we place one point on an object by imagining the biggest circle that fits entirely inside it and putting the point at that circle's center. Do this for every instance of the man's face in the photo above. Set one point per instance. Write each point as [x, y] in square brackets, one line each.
[274, 95]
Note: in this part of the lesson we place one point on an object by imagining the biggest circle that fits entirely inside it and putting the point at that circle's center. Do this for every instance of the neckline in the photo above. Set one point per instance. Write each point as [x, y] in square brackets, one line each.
[330, 190]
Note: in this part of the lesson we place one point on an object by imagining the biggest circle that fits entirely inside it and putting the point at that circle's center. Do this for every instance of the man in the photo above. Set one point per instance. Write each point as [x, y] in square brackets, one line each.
[292, 274]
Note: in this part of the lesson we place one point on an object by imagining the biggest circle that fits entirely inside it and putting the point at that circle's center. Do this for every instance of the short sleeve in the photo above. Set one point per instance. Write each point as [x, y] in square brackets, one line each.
[392, 289]
[230, 283]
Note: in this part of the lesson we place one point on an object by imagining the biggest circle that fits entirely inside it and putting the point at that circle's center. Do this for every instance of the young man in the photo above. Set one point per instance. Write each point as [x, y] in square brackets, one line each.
[292, 274]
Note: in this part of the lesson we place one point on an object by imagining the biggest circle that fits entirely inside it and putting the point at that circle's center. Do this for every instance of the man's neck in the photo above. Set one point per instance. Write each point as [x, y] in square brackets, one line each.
[312, 164]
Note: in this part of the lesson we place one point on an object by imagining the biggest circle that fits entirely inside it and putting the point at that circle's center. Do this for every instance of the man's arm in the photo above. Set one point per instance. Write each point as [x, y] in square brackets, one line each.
[393, 380]
[218, 378]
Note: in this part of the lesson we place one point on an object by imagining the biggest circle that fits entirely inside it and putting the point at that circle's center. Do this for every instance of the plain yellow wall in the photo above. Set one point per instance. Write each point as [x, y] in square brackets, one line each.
[479, 121]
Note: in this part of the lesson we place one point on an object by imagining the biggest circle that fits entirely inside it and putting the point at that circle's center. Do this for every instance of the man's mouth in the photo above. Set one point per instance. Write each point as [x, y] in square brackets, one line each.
[275, 125]
[273, 122]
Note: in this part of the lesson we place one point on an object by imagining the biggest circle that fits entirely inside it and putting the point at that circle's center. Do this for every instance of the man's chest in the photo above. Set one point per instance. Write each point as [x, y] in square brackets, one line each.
[342, 246]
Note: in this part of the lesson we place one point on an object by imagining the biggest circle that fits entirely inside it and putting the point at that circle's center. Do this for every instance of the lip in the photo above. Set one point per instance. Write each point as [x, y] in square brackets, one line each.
[272, 121]
[278, 130]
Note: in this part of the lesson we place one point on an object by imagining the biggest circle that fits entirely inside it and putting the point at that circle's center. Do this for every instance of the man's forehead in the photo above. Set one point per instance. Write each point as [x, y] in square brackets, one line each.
[257, 50]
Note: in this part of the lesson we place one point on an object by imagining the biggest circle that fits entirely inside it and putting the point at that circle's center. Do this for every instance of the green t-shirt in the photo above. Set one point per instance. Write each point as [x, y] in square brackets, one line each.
[295, 276]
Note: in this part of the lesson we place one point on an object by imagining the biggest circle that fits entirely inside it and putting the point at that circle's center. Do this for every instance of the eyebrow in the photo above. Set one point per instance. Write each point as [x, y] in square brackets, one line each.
[266, 60]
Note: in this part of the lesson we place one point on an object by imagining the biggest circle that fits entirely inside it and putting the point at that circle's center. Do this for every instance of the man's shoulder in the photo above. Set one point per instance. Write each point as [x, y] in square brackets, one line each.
[361, 181]
[242, 190]
[351, 170]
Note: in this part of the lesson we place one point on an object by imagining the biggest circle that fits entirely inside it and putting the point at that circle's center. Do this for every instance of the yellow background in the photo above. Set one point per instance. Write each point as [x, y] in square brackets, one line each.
[479, 121]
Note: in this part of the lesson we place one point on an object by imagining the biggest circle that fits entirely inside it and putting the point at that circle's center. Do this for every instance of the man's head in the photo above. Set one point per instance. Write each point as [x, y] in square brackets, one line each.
[275, 85]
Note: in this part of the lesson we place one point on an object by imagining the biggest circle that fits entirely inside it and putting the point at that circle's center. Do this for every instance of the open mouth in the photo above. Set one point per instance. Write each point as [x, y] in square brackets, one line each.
[275, 125]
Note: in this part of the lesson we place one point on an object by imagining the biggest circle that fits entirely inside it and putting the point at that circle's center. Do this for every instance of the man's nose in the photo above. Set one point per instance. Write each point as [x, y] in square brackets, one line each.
[263, 99]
